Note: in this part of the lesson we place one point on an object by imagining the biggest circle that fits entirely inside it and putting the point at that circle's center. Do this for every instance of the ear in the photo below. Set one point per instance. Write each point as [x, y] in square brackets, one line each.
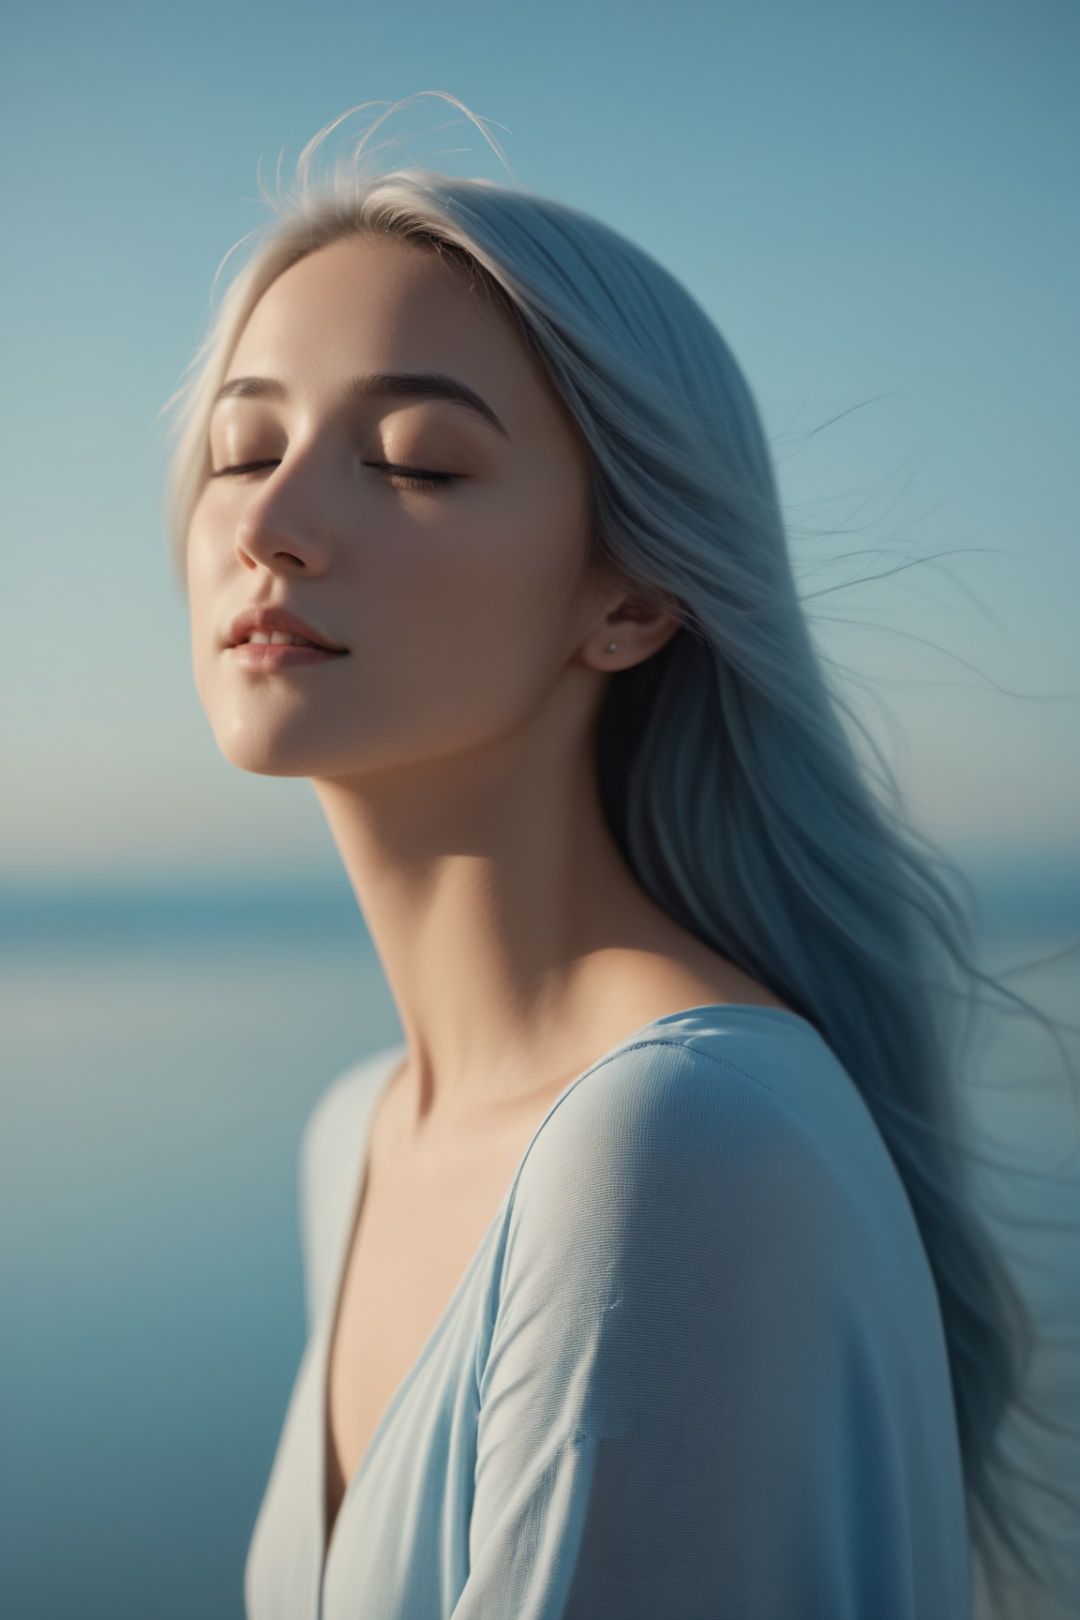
[639, 623]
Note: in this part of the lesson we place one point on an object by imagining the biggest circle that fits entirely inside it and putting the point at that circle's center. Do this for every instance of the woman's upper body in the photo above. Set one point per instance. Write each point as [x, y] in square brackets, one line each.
[694, 1367]
[495, 461]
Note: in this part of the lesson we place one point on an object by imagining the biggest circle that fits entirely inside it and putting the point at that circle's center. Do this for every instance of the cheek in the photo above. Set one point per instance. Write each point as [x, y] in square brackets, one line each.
[483, 619]
[209, 600]
[499, 579]
[198, 555]
[202, 594]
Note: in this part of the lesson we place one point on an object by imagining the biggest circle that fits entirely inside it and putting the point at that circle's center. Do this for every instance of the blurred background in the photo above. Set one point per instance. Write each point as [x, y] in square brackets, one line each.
[877, 207]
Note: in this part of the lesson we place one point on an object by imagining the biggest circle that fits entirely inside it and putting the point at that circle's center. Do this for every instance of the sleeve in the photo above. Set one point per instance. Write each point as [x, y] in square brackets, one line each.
[679, 1415]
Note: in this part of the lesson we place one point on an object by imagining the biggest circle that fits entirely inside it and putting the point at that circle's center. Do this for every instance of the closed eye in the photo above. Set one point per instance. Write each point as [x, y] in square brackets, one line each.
[403, 477]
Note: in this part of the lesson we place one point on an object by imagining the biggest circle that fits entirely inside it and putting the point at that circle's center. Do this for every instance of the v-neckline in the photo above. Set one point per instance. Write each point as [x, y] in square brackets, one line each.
[325, 1331]
[329, 1323]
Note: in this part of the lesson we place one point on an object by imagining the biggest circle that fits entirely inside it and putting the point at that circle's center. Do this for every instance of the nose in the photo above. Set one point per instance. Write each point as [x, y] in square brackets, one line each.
[281, 524]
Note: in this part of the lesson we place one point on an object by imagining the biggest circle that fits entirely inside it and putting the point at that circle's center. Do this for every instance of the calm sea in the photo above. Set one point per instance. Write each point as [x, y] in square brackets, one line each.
[161, 1052]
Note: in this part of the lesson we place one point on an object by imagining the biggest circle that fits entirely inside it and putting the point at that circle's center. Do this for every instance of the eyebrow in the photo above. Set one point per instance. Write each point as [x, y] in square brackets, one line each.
[376, 385]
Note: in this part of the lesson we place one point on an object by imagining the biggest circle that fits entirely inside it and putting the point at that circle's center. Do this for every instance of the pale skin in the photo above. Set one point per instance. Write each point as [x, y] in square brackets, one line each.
[450, 750]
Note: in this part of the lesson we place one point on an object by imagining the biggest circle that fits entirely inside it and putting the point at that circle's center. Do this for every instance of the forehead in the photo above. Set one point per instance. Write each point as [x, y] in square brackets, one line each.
[376, 304]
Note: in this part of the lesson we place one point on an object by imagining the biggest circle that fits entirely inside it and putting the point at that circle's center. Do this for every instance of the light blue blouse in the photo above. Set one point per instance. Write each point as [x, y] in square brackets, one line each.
[695, 1370]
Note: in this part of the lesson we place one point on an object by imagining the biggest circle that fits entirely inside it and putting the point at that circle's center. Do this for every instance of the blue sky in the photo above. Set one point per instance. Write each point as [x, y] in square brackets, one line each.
[875, 204]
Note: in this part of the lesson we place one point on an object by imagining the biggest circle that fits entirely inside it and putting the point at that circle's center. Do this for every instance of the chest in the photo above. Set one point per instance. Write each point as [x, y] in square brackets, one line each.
[411, 1244]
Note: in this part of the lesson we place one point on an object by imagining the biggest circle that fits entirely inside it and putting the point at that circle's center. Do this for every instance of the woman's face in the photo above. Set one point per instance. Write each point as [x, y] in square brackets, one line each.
[460, 604]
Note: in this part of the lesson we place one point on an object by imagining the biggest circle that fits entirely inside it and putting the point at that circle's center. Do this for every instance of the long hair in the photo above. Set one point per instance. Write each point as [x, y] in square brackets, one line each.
[727, 763]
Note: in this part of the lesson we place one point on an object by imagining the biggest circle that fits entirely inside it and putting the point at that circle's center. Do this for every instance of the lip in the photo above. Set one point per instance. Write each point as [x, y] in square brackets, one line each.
[268, 617]
[270, 656]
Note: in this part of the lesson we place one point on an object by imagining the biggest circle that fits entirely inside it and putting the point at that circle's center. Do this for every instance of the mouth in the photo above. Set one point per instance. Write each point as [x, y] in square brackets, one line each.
[271, 655]
[265, 623]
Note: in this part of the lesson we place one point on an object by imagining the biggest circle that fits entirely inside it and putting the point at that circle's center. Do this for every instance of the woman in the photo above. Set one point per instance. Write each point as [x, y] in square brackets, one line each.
[642, 1280]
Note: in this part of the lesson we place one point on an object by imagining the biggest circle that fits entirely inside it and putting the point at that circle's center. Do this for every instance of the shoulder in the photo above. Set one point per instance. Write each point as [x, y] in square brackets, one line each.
[735, 1159]
[681, 1217]
[684, 1165]
[768, 1105]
